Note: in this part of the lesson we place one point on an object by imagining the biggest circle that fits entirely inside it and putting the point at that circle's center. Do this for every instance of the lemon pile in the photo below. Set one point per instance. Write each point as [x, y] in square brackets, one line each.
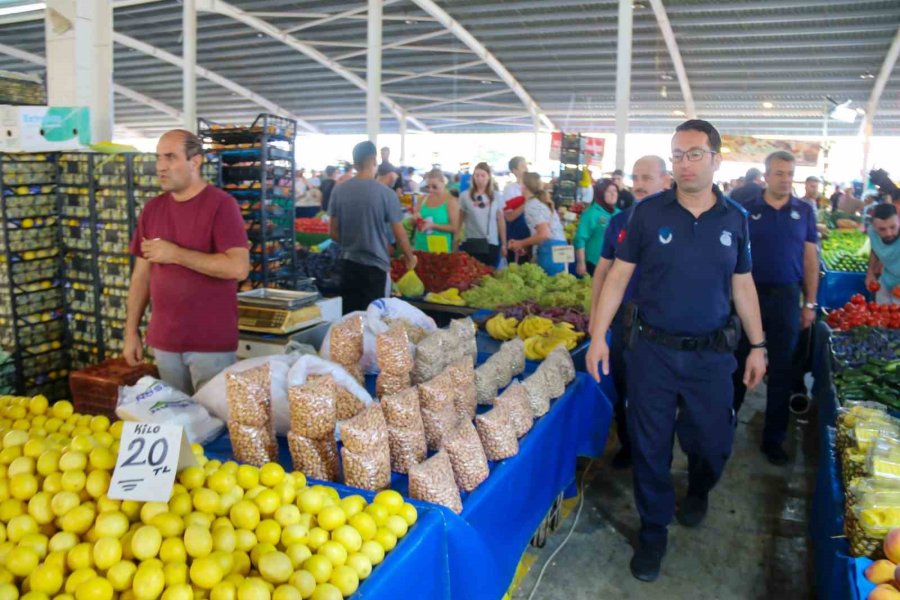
[229, 531]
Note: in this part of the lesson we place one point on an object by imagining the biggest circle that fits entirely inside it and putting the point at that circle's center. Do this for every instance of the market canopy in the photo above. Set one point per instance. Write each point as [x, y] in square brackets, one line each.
[751, 66]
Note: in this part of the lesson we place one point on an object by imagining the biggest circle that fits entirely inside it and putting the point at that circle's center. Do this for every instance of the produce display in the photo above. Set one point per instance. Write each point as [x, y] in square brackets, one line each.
[877, 380]
[541, 335]
[323, 266]
[449, 296]
[518, 283]
[228, 531]
[440, 272]
[857, 346]
[575, 316]
[883, 572]
[859, 313]
[846, 250]
[313, 225]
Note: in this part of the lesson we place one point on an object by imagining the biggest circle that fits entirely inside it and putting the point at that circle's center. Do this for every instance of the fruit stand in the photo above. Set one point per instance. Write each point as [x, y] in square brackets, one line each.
[844, 260]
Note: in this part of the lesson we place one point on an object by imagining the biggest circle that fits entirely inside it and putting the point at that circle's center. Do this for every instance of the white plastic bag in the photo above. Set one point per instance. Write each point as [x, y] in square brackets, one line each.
[153, 401]
[213, 396]
[375, 315]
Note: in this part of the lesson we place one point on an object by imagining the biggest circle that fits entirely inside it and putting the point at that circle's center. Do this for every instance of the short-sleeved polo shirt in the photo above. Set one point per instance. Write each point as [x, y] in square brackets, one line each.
[611, 244]
[778, 238]
[686, 263]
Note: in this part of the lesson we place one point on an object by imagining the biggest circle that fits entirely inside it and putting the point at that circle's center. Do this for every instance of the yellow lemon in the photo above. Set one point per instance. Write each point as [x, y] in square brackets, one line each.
[409, 513]
[286, 592]
[276, 567]
[331, 517]
[148, 583]
[334, 551]
[345, 579]
[206, 572]
[224, 590]
[245, 540]
[361, 564]
[181, 591]
[386, 538]
[245, 515]
[47, 580]
[373, 551]
[176, 573]
[271, 474]
[247, 476]
[121, 574]
[77, 578]
[96, 588]
[146, 542]
[304, 581]
[396, 525]
[349, 537]
[21, 561]
[319, 567]
[23, 486]
[365, 525]
[172, 551]
[97, 483]
[107, 552]
[168, 524]
[111, 524]
[198, 541]
[298, 553]
[80, 557]
[269, 532]
[205, 500]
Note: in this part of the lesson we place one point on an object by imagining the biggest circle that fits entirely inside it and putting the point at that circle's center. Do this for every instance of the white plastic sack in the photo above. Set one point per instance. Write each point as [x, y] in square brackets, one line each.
[153, 401]
[388, 308]
[313, 365]
[325, 348]
[214, 398]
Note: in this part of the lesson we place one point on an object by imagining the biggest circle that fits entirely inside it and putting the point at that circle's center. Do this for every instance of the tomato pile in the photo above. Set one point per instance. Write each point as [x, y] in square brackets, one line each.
[859, 313]
[310, 225]
[440, 272]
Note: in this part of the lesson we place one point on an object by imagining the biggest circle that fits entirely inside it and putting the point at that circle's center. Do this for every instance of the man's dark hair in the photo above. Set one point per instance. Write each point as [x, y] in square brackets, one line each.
[884, 211]
[619, 172]
[192, 144]
[752, 174]
[712, 134]
[330, 170]
[813, 178]
[362, 152]
[384, 169]
[515, 161]
[782, 155]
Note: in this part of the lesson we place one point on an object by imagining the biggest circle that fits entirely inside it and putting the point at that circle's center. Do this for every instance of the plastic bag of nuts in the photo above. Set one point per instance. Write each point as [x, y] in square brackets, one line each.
[393, 353]
[515, 401]
[467, 457]
[561, 360]
[346, 340]
[401, 410]
[437, 425]
[249, 395]
[408, 447]
[389, 383]
[501, 364]
[347, 405]
[369, 471]
[464, 330]
[486, 385]
[437, 395]
[431, 356]
[515, 350]
[314, 408]
[465, 396]
[555, 379]
[315, 458]
[432, 481]
[366, 432]
[252, 445]
[497, 434]
[538, 393]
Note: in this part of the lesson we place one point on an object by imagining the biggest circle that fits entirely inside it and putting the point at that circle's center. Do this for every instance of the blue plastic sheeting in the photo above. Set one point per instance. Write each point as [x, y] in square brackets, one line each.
[862, 587]
[836, 287]
[475, 555]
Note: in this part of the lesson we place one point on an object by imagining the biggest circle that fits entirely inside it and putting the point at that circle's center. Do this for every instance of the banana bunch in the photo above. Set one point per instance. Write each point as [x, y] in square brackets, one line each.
[532, 326]
[538, 347]
[502, 328]
[449, 296]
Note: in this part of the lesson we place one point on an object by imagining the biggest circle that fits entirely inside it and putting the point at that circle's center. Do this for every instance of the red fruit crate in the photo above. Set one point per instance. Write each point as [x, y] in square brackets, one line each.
[95, 390]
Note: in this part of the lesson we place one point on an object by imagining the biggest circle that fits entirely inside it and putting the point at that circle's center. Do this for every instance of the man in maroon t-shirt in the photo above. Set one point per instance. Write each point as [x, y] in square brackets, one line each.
[190, 250]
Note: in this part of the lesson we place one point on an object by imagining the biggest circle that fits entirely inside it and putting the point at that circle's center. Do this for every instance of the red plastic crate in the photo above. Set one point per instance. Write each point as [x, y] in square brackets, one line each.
[95, 390]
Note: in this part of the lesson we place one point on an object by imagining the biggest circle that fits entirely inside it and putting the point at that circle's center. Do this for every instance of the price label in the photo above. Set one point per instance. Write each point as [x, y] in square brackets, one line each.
[563, 255]
[150, 455]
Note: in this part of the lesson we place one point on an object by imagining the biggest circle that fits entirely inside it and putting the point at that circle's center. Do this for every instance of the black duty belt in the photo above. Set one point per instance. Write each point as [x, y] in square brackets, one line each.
[678, 342]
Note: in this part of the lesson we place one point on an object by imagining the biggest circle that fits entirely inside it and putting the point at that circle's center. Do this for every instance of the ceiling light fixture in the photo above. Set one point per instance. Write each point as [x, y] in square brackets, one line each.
[678, 113]
[867, 75]
[409, 21]
[486, 82]
[768, 105]
[666, 77]
[638, 6]
[843, 113]
[664, 92]
[22, 8]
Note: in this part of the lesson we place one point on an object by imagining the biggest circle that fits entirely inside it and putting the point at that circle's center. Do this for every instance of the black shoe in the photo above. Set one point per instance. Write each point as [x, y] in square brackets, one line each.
[776, 454]
[622, 459]
[692, 510]
[647, 561]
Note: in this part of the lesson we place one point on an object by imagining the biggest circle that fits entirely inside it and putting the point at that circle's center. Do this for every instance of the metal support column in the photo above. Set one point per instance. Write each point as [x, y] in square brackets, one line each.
[189, 71]
[536, 121]
[623, 79]
[373, 72]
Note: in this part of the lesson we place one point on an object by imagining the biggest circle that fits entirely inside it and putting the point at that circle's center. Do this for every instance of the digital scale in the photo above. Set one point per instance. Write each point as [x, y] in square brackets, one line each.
[278, 312]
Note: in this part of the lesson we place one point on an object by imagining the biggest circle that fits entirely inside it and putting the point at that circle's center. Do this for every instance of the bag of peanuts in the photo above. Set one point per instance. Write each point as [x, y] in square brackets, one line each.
[316, 459]
[250, 428]
[408, 447]
[432, 481]
[463, 331]
[366, 432]
[539, 392]
[560, 360]
[389, 383]
[431, 356]
[467, 457]
[393, 353]
[465, 396]
[314, 408]
[486, 383]
[350, 396]
[401, 410]
[515, 401]
[555, 379]
[514, 350]
[345, 341]
[438, 393]
[437, 425]
[369, 471]
[497, 434]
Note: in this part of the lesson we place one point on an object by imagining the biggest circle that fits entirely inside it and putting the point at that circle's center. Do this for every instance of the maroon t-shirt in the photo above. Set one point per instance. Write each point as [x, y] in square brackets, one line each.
[192, 312]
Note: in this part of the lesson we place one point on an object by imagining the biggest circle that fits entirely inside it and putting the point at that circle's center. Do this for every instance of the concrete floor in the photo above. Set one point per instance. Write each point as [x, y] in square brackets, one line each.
[752, 545]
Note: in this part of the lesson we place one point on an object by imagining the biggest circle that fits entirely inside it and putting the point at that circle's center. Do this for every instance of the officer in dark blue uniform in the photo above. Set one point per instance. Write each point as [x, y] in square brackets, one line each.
[692, 246]
[785, 260]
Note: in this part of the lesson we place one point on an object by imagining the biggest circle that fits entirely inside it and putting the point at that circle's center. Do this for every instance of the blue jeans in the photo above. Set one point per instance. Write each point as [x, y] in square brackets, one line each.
[545, 257]
[189, 371]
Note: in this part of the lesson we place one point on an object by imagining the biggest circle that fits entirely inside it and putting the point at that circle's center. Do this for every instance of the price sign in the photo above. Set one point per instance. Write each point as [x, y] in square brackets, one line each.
[150, 455]
[563, 255]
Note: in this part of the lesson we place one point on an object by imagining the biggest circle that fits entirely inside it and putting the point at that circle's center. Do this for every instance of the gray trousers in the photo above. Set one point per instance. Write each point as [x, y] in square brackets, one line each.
[189, 371]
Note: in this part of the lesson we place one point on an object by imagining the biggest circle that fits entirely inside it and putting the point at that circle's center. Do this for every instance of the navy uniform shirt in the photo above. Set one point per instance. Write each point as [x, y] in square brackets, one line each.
[686, 263]
[611, 245]
[778, 238]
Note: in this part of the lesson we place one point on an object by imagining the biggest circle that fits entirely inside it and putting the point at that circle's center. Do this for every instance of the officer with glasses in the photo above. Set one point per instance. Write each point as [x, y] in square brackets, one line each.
[692, 246]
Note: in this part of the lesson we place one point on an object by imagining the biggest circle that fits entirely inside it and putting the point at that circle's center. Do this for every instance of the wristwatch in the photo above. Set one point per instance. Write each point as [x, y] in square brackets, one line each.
[811, 305]
[758, 346]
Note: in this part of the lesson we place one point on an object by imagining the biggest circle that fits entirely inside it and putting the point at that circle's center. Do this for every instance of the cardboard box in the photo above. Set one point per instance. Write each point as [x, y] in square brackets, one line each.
[44, 128]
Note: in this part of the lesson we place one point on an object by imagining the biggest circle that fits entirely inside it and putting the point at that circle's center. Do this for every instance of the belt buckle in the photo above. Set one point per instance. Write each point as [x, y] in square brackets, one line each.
[690, 344]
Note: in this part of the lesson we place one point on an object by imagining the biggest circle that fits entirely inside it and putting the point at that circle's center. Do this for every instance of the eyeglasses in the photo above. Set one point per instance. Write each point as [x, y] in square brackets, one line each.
[433, 187]
[692, 155]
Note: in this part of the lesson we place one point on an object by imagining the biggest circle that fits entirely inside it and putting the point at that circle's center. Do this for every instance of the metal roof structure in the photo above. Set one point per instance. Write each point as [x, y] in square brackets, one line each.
[751, 66]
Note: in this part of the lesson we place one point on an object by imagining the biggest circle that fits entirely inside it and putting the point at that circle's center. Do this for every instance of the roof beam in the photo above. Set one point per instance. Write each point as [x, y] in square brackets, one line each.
[318, 15]
[226, 9]
[462, 100]
[669, 37]
[226, 83]
[119, 89]
[334, 17]
[394, 45]
[433, 72]
[430, 7]
[887, 67]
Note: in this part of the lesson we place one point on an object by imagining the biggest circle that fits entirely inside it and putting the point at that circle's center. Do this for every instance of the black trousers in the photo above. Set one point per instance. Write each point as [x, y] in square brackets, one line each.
[619, 374]
[490, 258]
[361, 285]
